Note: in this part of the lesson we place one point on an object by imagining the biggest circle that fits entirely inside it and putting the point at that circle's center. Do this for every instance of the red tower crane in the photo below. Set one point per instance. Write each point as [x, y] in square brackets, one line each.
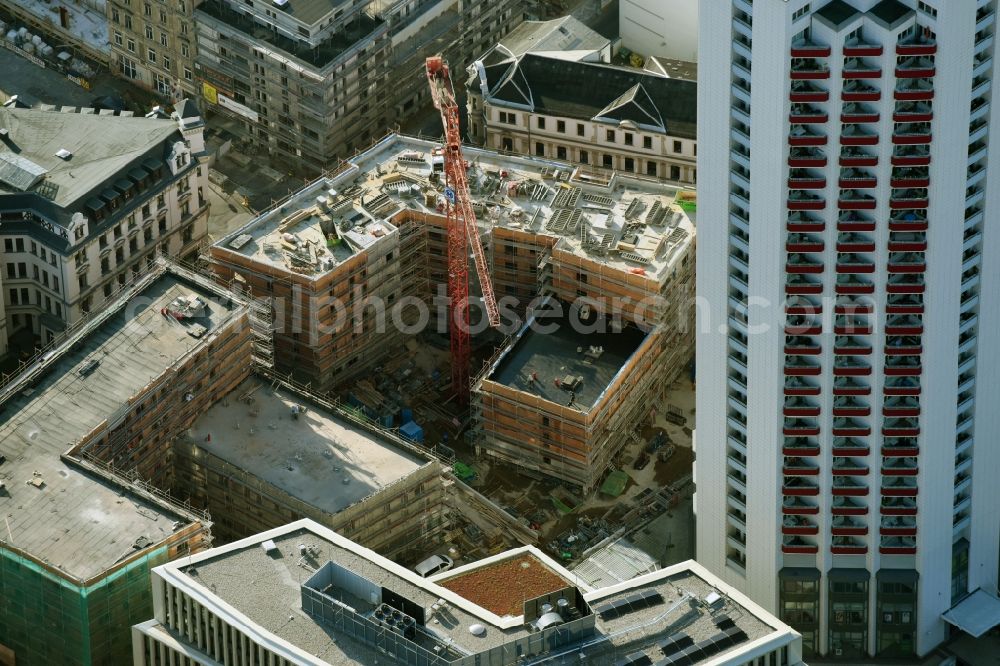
[462, 232]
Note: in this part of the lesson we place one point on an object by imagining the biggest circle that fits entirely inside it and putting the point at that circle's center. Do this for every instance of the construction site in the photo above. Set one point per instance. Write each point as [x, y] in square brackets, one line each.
[570, 432]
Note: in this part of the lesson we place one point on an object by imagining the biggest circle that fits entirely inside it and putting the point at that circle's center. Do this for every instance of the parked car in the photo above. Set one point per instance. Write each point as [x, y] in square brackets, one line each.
[434, 564]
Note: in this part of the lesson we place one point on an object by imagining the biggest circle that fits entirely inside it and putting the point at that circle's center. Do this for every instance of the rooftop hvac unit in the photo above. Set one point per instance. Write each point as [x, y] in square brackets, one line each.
[280, 3]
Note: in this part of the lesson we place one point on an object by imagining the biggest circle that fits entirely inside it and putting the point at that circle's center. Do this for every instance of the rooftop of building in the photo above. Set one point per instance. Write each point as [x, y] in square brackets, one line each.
[672, 68]
[96, 146]
[332, 47]
[565, 37]
[79, 522]
[559, 359]
[626, 223]
[683, 598]
[613, 94]
[318, 458]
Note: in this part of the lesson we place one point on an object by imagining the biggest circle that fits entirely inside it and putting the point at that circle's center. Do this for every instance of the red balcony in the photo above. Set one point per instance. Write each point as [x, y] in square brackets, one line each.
[850, 429]
[899, 451]
[855, 69]
[852, 328]
[797, 387]
[854, 200]
[898, 550]
[909, 328]
[806, 183]
[805, 159]
[849, 491]
[805, 92]
[886, 530]
[853, 287]
[799, 264]
[850, 306]
[904, 350]
[805, 308]
[912, 112]
[797, 410]
[914, 90]
[799, 549]
[905, 287]
[848, 530]
[898, 510]
[912, 157]
[855, 91]
[844, 506]
[803, 329]
[910, 245]
[911, 138]
[808, 116]
[799, 429]
[857, 182]
[901, 470]
[849, 550]
[898, 408]
[802, 288]
[853, 265]
[802, 370]
[853, 222]
[845, 386]
[802, 348]
[800, 529]
[801, 223]
[915, 68]
[806, 203]
[855, 157]
[899, 491]
[850, 470]
[793, 488]
[852, 370]
[903, 370]
[918, 45]
[795, 507]
[797, 467]
[914, 203]
[908, 222]
[852, 348]
[900, 431]
[858, 49]
[809, 71]
[859, 451]
[853, 243]
[807, 139]
[904, 266]
[858, 138]
[911, 180]
[902, 390]
[802, 49]
[855, 113]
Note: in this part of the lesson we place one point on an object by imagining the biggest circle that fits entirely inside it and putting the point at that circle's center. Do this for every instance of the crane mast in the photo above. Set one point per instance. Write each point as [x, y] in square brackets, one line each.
[462, 232]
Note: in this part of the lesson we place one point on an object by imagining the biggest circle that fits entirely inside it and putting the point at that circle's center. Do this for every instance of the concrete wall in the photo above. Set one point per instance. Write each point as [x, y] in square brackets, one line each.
[666, 28]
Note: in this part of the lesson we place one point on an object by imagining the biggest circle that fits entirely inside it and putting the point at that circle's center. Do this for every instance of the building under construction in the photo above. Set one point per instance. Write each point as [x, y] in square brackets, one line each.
[80, 532]
[368, 241]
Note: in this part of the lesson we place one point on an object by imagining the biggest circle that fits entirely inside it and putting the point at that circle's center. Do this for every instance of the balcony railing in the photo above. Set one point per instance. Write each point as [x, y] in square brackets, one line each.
[901, 386]
[898, 506]
[800, 387]
[806, 157]
[794, 524]
[846, 526]
[806, 49]
[856, 157]
[858, 91]
[858, 113]
[916, 44]
[907, 262]
[808, 69]
[857, 48]
[799, 263]
[806, 91]
[914, 90]
[850, 386]
[854, 136]
[909, 177]
[847, 486]
[858, 68]
[910, 134]
[803, 222]
[916, 67]
[797, 545]
[852, 263]
[917, 155]
[801, 135]
[844, 545]
[795, 506]
[847, 506]
[806, 113]
[913, 112]
[853, 242]
[898, 546]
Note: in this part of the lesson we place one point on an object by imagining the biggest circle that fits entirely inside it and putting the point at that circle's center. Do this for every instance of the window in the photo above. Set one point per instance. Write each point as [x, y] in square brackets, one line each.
[163, 38]
[675, 172]
[147, 9]
[539, 149]
[127, 67]
[161, 83]
[115, 16]
[628, 138]
[800, 12]
[166, 61]
[927, 9]
[187, 74]
[610, 135]
[163, 16]
[19, 244]
[118, 38]
[629, 164]
[678, 147]
[579, 129]
[647, 142]
[561, 152]
[506, 143]
[584, 157]
[541, 123]
[651, 168]
[130, 45]
[508, 118]
[151, 55]
[608, 161]
[128, 21]
[185, 52]
[561, 126]
[13, 297]
[11, 271]
[149, 31]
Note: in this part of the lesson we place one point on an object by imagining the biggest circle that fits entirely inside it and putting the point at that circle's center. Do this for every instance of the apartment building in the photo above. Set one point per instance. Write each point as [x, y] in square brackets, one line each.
[589, 113]
[153, 45]
[845, 267]
[87, 201]
[349, 605]
[310, 82]
[81, 439]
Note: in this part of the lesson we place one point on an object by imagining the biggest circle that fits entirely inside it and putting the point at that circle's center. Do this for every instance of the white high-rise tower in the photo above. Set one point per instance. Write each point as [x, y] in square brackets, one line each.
[848, 281]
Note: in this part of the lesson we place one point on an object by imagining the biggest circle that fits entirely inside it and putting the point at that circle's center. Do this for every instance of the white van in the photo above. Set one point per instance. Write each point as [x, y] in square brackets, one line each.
[434, 564]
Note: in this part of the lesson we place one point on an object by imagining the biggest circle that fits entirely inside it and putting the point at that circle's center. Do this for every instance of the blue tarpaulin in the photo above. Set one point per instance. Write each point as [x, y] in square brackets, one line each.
[412, 432]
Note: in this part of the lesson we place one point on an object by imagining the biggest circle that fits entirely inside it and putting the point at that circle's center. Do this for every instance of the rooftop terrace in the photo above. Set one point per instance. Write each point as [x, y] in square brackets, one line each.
[626, 223]
[683, 600]
[310, 455]
[56, 511]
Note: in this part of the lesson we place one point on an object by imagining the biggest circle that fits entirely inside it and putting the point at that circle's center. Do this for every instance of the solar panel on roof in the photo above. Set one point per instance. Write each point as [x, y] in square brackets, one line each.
[19, 172]
[675, 643]
[723, 621]
[634, 659]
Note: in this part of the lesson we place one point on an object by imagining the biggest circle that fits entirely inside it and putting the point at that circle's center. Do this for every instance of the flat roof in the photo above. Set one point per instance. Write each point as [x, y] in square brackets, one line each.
[539, 357]
[317, 458]
[621, 221]
[260, 593]
[73, 519]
